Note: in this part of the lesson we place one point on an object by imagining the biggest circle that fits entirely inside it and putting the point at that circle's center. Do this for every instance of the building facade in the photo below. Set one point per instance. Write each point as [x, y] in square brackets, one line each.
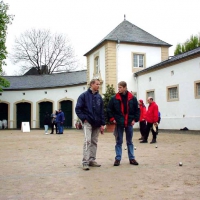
[29, 97]
[131, 54]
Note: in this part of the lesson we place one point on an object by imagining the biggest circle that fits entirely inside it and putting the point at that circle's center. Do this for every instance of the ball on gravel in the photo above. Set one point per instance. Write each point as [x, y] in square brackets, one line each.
[156, 146]
[135, 148]
[125, 148]
[180, 163]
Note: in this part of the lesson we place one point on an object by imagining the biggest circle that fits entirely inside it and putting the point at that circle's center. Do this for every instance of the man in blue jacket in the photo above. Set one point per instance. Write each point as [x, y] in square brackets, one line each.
[89, 109]
[60, 120]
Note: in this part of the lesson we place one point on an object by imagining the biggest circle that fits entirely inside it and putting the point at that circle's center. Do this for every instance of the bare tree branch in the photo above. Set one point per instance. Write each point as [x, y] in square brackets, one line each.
[38, 48]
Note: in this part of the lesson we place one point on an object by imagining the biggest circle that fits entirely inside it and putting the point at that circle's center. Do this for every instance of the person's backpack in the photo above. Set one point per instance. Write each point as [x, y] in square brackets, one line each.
[159, 117]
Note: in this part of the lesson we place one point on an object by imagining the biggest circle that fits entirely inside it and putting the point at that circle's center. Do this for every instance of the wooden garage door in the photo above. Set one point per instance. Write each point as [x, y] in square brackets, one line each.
[3, 111]
[43, 108]
[66, 107]
[23, 113]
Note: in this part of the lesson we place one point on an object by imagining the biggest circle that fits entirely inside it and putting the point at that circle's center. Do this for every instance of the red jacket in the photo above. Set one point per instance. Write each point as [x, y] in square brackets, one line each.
[152, 113]
[143, 112]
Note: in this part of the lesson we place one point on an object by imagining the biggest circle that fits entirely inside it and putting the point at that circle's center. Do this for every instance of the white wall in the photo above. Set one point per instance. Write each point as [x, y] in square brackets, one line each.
[175, 114]
[124, 61]
[34, 96]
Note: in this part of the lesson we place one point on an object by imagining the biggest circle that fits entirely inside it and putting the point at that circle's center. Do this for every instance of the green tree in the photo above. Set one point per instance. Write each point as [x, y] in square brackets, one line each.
[110, 91]
[188, 45]
[5, 19]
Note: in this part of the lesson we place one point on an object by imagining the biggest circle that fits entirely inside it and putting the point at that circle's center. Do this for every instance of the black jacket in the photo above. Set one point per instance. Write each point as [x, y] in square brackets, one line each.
[116, 110]
[47, 119]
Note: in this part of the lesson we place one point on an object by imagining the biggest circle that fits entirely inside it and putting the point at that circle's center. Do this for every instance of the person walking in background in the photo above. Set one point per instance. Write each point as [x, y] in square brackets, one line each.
[46, 122]
[53, 122]
[60, 120]
[89, 109]
[142, 120]
[124, 112]
[152, 119]
[159, 119]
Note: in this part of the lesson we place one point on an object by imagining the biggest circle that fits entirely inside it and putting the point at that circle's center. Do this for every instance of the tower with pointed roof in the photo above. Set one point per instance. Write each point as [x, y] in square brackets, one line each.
[125, 50]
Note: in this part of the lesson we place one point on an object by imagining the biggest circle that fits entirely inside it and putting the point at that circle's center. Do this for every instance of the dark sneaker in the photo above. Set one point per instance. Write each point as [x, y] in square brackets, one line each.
[144, 141]
[153, 141]
[85, 166]
[133, 162]
[117, 163]
[141, 138]
[94, 164]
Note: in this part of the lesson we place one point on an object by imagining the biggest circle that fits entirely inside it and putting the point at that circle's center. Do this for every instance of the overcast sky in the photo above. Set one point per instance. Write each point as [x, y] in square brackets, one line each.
[86, 22]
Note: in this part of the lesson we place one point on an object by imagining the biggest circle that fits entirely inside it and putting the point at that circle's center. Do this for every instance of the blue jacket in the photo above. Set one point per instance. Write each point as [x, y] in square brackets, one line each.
[60, 117]
[90, 107]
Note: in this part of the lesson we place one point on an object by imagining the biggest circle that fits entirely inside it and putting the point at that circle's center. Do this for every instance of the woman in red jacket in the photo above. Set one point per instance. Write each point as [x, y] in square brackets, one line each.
[142, 120]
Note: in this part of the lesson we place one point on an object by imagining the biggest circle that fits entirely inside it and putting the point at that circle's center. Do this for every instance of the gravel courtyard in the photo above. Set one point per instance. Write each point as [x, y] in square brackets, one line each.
[36, 166]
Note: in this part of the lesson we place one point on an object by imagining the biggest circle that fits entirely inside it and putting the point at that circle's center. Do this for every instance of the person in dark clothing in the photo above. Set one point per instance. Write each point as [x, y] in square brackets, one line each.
[89, 109]
[60, 120]
[124, 112]
[159, 119]
[53, 122]
[46, 122]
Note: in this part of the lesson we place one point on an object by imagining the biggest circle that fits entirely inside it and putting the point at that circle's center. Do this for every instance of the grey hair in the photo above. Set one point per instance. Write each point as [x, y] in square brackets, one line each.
[94, 80]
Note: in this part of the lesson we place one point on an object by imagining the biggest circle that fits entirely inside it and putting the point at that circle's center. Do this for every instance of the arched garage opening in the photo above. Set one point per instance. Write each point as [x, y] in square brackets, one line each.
[23, 113]
[66, 107]
[4, 112]
[43, 108]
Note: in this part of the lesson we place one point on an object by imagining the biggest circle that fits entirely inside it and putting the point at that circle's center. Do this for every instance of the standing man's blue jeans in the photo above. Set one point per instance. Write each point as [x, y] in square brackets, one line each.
[119, 141]
[60, 127]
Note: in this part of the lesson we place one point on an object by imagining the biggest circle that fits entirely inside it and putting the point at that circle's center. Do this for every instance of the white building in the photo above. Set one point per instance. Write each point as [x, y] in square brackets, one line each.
[127, 53]
[29, 97]
[131, 54]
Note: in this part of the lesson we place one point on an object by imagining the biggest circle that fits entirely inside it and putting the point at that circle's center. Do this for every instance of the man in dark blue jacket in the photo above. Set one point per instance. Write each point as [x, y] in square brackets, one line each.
[60, 120]
[124, 112]
[89, 109]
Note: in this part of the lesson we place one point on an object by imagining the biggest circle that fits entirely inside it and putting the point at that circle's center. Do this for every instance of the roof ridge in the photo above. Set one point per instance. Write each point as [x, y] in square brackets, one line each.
[130, 33]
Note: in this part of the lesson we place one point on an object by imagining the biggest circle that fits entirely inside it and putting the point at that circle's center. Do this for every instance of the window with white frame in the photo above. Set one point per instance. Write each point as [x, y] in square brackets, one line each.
[150, 93]
[172, 93]
[138, 60]
[197, 89]
[96, 67]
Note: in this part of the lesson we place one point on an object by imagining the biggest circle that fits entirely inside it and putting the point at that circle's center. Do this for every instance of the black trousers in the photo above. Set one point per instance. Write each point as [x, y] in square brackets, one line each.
[142, 128]
[149, 127]
[52, 127]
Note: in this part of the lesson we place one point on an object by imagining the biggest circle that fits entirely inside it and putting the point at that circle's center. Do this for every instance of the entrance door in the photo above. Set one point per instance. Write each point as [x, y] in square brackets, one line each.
[3, 111]
[43, 108]
[23, 113]
[66, 107]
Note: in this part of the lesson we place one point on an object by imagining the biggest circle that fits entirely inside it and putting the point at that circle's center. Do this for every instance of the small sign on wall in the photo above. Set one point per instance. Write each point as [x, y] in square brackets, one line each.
[25, 127]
